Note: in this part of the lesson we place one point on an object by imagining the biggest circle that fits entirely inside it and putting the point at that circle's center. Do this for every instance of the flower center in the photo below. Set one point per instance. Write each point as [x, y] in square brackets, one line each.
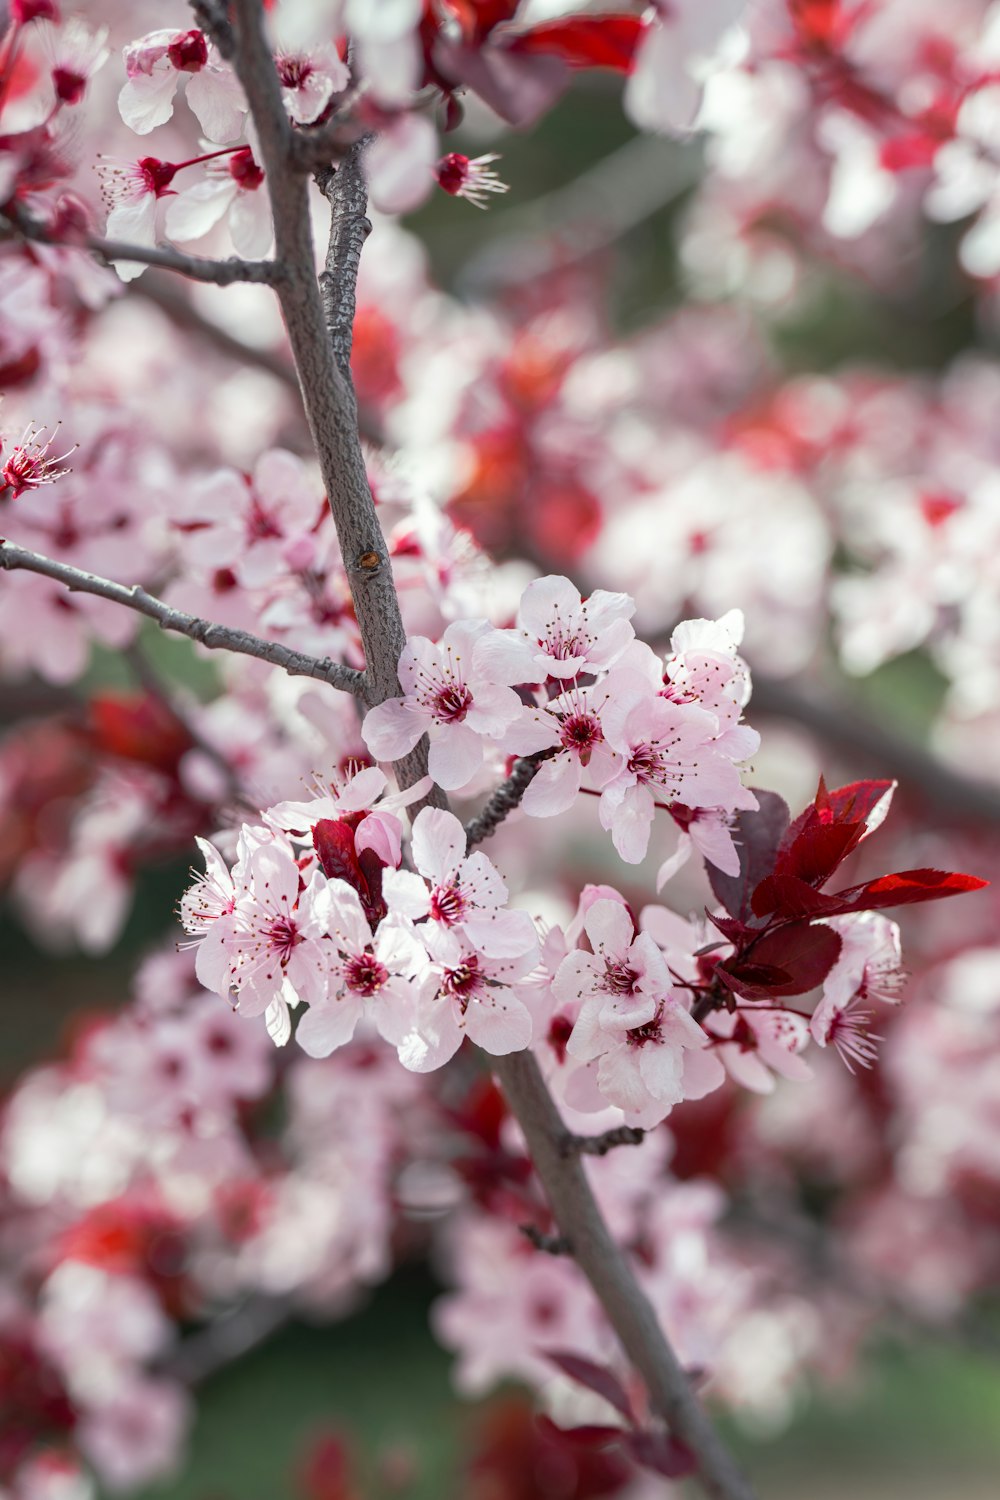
[365, 975]
[580, 733]
[452, 703]
[639, 1036]
[282, 935]
[463, 981]
[244, 170]
[189, 53]
[619, 977]
[293, 71]
[447, 905]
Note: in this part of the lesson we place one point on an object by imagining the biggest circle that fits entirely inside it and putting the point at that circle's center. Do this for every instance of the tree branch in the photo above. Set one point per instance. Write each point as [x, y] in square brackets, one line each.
[327, 393]
[600, 1145]
[609, 1273]
[196, 267]
[507, 796]
[214, 637]
[344, 189]
[331, 409]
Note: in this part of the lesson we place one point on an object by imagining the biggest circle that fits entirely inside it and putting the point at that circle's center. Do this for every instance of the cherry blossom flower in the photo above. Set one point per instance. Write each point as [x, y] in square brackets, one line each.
[467, 894]
[620, 982]
[457, 691]
[155, 65]
[868, 969]
[756, 1039]
[273, 934]
[643, 1069]
[131, 191]
[76, 54]
[399, 164]
[472, 179]
[567, 636]
[366, 975]
[465, 992]
[232, 187]
[30, 463]
[668, 753]
[309, 79]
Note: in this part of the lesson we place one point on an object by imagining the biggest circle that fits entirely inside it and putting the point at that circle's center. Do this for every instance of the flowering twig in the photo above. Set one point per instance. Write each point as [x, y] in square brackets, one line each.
[331, 409]
[195, 267]
[507, 796]
[214, 637]
[609, 1273]
[608, 1140]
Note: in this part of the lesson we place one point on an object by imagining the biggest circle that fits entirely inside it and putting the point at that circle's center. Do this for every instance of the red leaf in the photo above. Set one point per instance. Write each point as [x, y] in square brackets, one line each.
[595, 1377]
[804, 954]
[905, 888]
[585, 41]
[818, 851]
[788, 896]
[758, 836]
[662, 1453]
[864, 802]
[138, 727]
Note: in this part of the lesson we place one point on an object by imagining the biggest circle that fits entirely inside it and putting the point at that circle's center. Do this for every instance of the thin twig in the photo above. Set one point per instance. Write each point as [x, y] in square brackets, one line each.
[507, 796]
[214, 637]
[195, 267]
[551, 1244]
[609, 1273]
[600, 1145]
[223, 1341]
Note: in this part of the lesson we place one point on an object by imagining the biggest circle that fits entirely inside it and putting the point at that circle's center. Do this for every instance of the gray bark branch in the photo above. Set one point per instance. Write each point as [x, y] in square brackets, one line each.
[214, 637]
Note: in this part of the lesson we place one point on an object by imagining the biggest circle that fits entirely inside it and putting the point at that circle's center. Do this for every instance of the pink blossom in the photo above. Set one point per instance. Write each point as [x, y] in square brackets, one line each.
[457, 692]
[466, 894]
[273, 945]
[566, 635]
[676, 55]
[135, 1438]
[465, 992]
[399, 164]
[75, 54]
[232, 187]
[30, 463]
[668, 756]
[643, 1069]
[621, 981]
[754, 1040]
[155, 65]
[570, 728]
[309, 79]
[365, 975]
[868, 968]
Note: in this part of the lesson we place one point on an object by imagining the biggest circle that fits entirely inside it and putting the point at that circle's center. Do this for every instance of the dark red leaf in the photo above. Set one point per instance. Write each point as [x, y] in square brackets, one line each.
[818, 851]
[905, 888]
[662, 1453]
[595, 1377]
[585, 41]
[787, 896]
[731, 929]
[757, 836]
[803, 953]
[853, 803]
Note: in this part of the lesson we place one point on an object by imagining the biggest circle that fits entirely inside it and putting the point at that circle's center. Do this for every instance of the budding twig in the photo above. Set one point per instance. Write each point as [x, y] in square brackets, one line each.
[507, 796]
[600, 1145]
[214, 637]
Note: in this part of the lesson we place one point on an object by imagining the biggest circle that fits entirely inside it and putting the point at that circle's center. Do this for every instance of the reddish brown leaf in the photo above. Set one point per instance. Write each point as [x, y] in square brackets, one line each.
[788, 961]
[585, 41]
